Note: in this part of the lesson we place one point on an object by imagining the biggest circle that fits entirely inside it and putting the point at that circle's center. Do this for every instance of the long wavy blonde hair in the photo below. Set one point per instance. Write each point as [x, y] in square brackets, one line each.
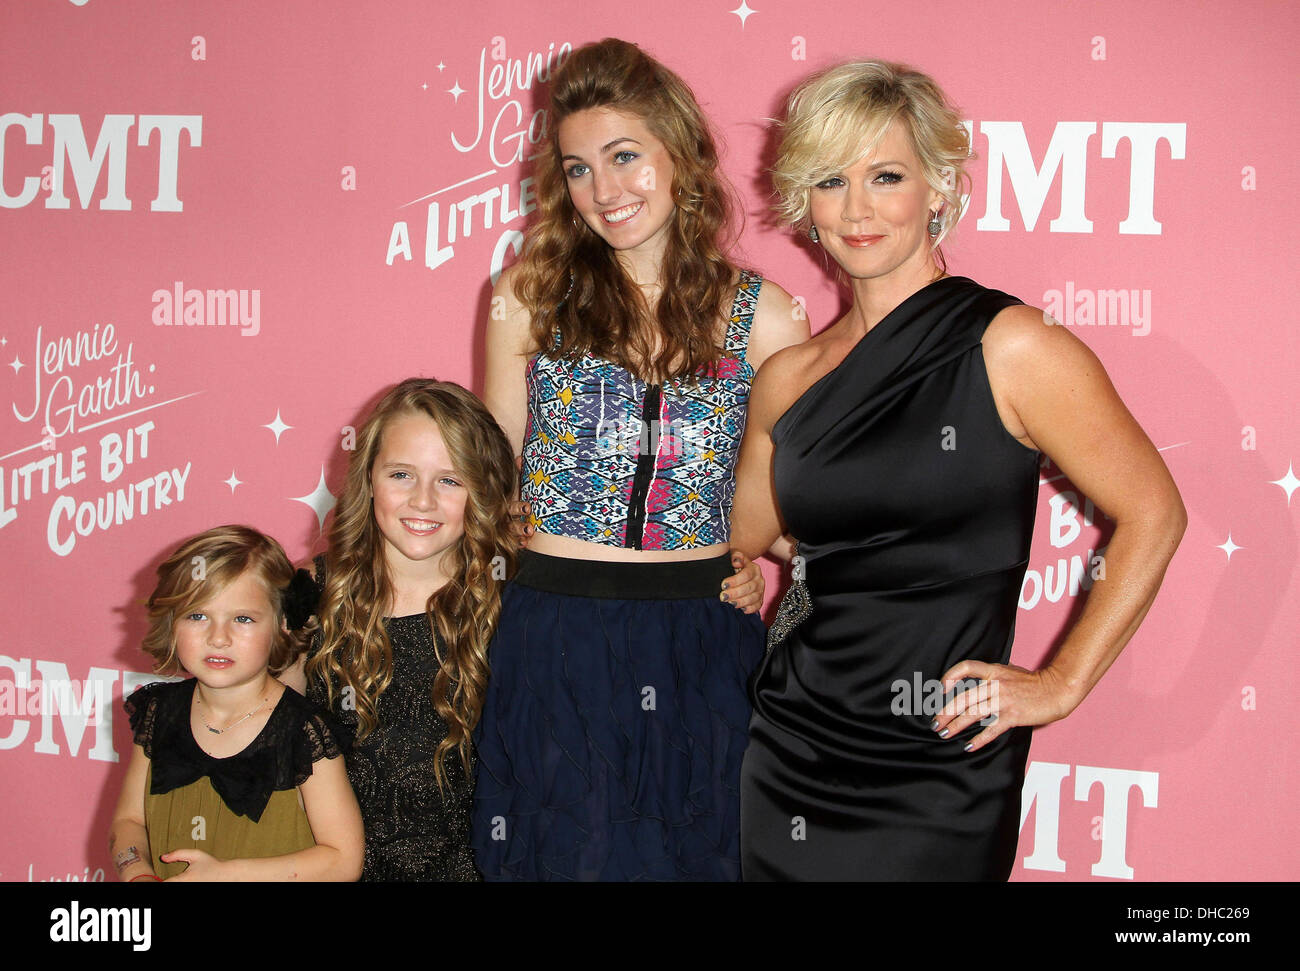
[570, 279]
[354, 649]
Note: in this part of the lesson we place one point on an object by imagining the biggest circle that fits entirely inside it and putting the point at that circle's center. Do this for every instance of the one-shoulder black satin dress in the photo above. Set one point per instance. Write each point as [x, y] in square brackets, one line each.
[914, 510]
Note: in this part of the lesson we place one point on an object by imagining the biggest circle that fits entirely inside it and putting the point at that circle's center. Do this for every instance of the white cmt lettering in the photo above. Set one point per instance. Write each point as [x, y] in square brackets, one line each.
[71, 152]
[1115, 786]
[70, 145]
[58, 697]
[31, 126]
[1143, 138]
[1067, 153]
[1042, 787]
[22, 669]
[74, 721]
[1042, 793]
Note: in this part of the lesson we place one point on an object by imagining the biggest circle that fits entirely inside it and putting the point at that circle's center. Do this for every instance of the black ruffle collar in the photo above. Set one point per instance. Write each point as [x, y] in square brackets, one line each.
[244, 781]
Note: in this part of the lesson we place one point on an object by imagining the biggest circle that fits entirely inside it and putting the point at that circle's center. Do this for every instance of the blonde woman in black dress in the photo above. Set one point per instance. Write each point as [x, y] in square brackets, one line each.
[900, 447]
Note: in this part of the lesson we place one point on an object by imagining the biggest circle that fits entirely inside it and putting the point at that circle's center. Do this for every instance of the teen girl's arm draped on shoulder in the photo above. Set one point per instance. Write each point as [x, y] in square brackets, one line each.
[1054, 396]
[508, 349]
[128, 840]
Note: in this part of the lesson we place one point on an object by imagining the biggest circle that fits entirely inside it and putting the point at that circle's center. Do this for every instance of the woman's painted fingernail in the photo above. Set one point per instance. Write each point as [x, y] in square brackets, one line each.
[944, 733]
[968, 746]
[934, 725]
[725, 598]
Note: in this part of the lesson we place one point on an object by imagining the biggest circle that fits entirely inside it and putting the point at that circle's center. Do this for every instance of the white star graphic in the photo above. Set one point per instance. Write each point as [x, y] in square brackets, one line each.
[1288, 483]
[320, 499]
[232, 482]
[456, 91]
[743, 12]
[441, 65]
[425, 86]
[278, 426]
[16, 364]
[1229, 547]
[3, 341]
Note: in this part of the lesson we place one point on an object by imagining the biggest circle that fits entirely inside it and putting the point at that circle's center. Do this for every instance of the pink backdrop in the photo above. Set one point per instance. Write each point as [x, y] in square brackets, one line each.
[224, 228]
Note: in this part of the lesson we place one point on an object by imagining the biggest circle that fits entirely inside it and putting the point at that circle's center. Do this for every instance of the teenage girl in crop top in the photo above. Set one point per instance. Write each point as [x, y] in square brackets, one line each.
[620, 352]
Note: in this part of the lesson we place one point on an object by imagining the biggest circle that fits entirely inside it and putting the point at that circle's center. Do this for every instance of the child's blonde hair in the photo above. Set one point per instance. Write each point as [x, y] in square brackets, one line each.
[203, 565]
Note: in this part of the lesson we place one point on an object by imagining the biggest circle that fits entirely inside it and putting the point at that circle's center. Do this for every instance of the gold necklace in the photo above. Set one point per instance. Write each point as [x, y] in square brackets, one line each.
[222, 731]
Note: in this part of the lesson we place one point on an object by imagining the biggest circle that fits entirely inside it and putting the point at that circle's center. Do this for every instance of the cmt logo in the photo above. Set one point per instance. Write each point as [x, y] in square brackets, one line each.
[71, 151]
[69, 721]
[1067, 153]
[1042, 793]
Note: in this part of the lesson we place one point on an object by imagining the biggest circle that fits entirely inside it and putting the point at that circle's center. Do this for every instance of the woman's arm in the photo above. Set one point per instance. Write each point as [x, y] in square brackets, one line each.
[128, 840]
[335, 824]
[779, 322]
[755, 517]
[508, 348]
[1054, 396]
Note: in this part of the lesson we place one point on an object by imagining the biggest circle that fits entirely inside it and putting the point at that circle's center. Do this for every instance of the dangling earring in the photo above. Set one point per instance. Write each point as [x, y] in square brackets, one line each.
[935, 225]
[812, 234]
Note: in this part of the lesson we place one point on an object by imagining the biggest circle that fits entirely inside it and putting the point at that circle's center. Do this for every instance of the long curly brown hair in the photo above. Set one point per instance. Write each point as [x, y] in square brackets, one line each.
[354, 649]
[571, 281]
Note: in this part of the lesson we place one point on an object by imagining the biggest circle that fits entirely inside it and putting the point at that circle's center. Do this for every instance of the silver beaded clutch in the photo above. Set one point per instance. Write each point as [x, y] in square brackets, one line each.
[794, 608]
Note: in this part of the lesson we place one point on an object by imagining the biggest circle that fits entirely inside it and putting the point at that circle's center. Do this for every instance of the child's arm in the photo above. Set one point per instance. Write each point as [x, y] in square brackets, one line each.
[128, 840]
[335, 823]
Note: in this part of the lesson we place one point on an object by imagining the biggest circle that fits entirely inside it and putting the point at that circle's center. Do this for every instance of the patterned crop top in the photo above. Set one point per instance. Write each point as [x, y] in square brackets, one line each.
[609, 459]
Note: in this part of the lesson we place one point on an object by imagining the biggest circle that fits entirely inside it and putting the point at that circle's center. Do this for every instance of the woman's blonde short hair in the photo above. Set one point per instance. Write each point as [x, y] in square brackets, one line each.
[837, 117]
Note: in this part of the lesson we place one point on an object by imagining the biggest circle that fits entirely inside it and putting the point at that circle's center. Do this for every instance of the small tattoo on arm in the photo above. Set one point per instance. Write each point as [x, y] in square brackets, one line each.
[126, 858]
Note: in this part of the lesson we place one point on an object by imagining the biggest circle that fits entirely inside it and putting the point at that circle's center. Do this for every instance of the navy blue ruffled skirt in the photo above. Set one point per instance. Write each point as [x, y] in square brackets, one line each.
[616, 718]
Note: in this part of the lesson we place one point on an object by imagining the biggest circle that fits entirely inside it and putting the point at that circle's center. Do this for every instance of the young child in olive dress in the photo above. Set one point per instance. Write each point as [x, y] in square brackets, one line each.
[233, 775]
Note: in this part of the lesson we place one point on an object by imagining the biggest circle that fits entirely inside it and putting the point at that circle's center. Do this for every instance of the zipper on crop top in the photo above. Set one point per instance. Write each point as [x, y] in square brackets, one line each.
[645, 466]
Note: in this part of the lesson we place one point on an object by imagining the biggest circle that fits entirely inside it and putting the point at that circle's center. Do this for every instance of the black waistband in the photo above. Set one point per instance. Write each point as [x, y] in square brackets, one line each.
[679, 580]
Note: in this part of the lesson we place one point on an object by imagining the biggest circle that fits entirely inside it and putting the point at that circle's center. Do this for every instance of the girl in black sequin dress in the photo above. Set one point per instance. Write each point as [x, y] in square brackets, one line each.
[410, 592]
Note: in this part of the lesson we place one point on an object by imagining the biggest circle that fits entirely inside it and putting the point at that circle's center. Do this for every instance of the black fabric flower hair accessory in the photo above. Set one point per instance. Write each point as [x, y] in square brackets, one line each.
[300, 599]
